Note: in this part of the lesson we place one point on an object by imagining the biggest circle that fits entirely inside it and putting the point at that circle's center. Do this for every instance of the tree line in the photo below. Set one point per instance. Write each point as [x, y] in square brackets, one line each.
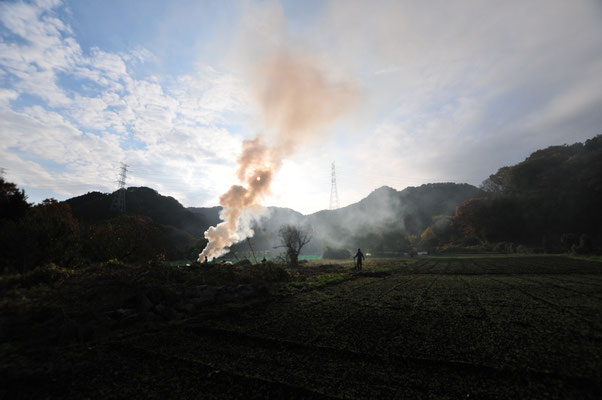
[34, 235]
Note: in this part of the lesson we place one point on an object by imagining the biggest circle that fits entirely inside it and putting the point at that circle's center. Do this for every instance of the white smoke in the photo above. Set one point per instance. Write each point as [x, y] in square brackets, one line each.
[298, 103]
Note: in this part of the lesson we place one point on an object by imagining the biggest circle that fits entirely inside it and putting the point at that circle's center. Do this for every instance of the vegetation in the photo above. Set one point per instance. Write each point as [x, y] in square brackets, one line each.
[292, 239]
[486, 327]
[550, 201]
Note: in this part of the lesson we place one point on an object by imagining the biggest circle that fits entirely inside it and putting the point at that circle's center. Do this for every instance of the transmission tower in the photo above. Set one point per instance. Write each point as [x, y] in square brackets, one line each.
[334, 194]
[118, 203]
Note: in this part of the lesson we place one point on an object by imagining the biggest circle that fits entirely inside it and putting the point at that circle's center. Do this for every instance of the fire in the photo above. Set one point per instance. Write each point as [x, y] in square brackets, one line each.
[258, 178]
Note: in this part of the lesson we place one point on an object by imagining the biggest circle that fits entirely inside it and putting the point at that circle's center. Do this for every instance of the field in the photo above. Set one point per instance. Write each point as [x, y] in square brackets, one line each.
[505, 327]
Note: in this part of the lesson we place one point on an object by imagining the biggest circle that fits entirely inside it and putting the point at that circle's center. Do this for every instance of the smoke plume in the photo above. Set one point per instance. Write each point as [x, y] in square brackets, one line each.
[298, 102]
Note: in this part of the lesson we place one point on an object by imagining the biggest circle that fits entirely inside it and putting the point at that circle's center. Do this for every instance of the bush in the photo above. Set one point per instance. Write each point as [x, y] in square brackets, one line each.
[48, 233]
[584, 246]
[126, 237]
[504, 247]
[523, 249]
[46, 274]
[568, 240]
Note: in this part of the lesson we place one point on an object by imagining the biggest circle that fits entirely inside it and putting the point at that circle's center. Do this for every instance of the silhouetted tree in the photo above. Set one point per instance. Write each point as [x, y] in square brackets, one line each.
[293, 239]
[127, 238]
[13, 201]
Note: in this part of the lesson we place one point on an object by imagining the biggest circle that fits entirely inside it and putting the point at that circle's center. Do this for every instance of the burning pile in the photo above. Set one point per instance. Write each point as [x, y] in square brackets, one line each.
[297, 102]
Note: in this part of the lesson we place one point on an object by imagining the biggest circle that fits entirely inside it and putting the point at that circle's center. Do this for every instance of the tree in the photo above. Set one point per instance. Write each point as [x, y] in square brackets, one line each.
[293, 239]
[428, 239]
[13, 201]
[127, 238]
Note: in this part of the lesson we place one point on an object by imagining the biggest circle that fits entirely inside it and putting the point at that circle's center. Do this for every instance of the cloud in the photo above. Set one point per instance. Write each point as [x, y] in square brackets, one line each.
[449, 91]
[455, 88]
[94, 112]
[43, 52]
[6, 95]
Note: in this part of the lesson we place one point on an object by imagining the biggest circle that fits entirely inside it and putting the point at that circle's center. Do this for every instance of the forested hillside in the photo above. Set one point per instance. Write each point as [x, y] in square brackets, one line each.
[549, 202]
[552, 199]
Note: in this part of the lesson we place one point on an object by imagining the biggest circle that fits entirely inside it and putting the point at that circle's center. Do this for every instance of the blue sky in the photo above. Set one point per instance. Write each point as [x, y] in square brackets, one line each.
[449, 91]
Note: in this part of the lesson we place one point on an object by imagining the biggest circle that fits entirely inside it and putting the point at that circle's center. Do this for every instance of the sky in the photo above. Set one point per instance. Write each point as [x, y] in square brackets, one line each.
[447, 91]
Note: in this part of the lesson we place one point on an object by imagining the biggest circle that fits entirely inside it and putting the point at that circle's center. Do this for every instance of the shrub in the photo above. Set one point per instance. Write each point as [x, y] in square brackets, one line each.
[504, 247]
[584, 246]
[46, 274]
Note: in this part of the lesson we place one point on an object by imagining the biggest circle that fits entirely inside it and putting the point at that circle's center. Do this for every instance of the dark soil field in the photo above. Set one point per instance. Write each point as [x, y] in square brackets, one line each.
[512, 327]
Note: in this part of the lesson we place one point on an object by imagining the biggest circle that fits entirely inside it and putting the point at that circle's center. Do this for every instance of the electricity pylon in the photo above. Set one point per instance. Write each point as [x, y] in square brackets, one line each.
[118, 203]
[334, 194]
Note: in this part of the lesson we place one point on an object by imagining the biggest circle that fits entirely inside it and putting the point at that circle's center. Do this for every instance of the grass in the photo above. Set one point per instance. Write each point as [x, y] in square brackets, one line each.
[320, 280]
[437, 327]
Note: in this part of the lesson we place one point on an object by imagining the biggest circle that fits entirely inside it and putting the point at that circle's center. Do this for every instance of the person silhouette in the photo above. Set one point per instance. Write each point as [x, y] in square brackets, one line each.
[360, 257]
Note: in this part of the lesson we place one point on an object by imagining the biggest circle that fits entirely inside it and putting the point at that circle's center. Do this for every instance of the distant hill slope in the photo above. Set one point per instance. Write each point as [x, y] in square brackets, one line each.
[386, 214]
[411, 209]
[165, 210]
[210, 215]
[553, 192]
[379, 220]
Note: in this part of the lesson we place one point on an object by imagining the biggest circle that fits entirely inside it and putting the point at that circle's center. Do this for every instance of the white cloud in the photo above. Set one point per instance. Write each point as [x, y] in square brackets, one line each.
[451, 91]
[180, 150]
[6, 95]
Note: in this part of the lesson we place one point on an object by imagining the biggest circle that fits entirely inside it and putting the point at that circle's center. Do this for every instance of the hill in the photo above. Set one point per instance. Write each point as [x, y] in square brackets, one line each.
[95, 207]
[379, 222]
[551, 199]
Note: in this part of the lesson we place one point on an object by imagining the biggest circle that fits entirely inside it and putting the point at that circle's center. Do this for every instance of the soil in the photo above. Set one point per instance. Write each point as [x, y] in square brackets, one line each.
[512, 327]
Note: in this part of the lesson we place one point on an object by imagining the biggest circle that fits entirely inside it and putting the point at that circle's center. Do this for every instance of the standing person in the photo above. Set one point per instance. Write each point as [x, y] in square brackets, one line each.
[360, 257]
